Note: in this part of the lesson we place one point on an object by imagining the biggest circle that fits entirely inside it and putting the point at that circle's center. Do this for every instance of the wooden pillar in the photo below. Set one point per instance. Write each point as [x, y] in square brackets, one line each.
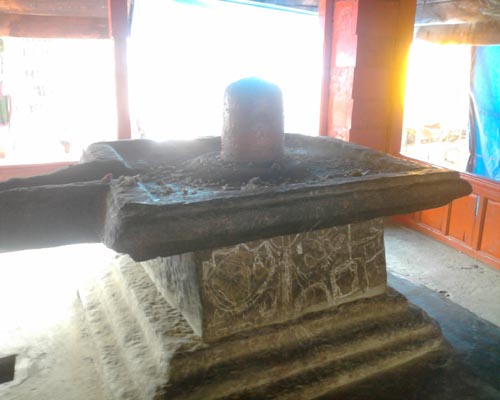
[406, 26]
[118, 26]
[326, 14]
[340, 60]
[370, 41]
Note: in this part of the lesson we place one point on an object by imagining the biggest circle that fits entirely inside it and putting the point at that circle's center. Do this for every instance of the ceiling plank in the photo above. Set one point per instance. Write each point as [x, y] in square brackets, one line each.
[59, 8]
[434, 12]
[53, 27]
[478, 34]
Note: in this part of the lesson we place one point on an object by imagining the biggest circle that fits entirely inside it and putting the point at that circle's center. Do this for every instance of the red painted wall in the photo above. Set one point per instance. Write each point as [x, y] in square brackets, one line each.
[366, 66]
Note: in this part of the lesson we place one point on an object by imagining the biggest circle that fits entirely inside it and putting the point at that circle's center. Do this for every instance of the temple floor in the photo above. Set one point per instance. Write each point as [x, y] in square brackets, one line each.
[42, 321]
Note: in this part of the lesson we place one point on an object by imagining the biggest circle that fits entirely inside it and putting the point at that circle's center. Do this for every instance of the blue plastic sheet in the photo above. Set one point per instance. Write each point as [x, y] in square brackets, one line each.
[485, 112]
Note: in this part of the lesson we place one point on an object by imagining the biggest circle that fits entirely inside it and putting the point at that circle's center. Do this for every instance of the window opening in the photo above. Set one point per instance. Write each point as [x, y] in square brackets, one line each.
[436, 118]
[183, 54]
[60, 98]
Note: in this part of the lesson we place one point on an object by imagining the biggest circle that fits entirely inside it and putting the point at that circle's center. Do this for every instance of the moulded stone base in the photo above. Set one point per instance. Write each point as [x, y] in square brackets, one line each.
[149, 351]
[228, 290]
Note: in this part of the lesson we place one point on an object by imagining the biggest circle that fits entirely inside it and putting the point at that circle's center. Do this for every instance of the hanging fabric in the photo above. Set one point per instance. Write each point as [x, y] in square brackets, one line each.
[485, 112]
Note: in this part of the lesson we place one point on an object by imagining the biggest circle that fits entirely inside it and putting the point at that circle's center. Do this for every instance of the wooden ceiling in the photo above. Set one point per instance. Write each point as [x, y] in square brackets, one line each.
[308, 5]
[54, 18]
[459, 21]
[435, 12]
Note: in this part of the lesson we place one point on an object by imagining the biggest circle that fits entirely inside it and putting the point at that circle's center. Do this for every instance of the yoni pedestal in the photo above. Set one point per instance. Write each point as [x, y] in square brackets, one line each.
[292, 317]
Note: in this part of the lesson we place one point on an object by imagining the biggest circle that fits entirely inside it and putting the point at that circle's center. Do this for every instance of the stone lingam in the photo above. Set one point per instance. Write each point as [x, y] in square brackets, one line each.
[253, 264]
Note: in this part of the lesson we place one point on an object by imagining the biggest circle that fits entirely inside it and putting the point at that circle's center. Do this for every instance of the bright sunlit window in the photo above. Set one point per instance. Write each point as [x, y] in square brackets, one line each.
[436, 116]
[59, 95]
[184, 53]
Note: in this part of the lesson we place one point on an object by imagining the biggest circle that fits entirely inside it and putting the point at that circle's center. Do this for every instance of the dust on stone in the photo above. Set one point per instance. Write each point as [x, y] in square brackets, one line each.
[129, 180]
[209, 172]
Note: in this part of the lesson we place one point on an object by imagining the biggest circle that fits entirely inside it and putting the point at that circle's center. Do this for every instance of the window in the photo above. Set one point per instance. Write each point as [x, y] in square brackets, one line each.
[436, 120]
[183, 54]
[61, 95]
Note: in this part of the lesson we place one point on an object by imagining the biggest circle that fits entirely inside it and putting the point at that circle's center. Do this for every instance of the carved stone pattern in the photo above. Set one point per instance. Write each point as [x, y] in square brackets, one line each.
[252, 283]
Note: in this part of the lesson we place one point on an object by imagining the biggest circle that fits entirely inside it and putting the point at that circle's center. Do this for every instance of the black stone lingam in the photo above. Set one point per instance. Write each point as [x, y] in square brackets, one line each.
[253, 127]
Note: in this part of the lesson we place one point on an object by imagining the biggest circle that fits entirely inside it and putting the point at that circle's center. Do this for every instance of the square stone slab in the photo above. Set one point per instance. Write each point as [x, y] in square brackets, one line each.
[151, 199]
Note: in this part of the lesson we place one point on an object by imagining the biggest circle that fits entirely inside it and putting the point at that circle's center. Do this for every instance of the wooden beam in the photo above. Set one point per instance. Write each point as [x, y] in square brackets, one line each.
[326, 15]
[118, 25]
[432, 12]
[478, 34]
[56, 8]
[309, 5]
[362, 101]
[405, 32]
[35, 26]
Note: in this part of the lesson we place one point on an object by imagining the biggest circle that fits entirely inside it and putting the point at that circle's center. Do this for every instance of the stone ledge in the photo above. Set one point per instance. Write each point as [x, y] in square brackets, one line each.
[333, 183]
[300, 359]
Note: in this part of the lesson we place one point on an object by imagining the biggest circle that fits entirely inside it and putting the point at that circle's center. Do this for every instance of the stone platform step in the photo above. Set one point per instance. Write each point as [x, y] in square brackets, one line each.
[313, 366]
[134, 344]
[148, 350]
[111, 358]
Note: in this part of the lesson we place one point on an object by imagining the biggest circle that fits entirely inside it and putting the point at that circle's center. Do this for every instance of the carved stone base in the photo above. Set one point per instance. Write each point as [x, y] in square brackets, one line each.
[231, 289]
[148, 350]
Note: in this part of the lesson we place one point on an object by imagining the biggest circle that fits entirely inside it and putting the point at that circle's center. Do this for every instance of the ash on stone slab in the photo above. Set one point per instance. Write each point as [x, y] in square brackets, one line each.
[164, 205]
[144, 227]
[305, 161]
[201, 202]
[232, 289]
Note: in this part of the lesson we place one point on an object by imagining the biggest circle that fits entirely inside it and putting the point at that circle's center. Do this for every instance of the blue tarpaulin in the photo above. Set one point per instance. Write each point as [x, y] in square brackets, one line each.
[485, 112]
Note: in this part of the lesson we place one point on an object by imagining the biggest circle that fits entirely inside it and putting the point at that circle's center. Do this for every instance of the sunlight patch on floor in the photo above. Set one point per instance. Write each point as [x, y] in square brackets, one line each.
[38, 287]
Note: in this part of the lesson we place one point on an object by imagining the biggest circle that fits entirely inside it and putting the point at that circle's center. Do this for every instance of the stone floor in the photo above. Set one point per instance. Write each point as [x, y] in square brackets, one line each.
[474, 372]
[457, 277]
[42, 322]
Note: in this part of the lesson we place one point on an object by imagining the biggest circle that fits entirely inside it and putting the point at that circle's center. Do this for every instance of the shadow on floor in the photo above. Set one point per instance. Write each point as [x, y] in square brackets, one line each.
[470, 371]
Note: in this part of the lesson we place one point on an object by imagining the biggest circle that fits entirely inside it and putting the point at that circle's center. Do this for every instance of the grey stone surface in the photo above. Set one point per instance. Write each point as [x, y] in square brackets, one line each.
[253, 122]
[56, 361]
[51, 215]
[231, 289]
[42, 322]
[299, 359]
[135, 331]
[178, 280]
[173, 199]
